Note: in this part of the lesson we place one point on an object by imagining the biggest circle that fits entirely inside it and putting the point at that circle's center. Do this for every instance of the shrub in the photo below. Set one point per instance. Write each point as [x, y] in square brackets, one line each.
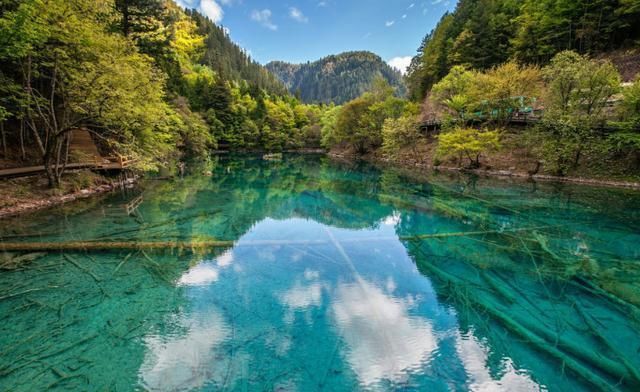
[467, 142]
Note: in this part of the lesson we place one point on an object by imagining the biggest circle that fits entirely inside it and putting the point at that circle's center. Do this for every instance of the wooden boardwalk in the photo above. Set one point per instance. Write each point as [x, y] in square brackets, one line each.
[82, 144]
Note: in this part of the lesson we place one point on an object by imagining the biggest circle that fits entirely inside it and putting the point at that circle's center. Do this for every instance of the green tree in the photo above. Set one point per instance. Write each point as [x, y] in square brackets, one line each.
[578, 90]
[328, 122]
[454, 91]
[505, 89]
[467, 143]
[139, 16]
[400, 133]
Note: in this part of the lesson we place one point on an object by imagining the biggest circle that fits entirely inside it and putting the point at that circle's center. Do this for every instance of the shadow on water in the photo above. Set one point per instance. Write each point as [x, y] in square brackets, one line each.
[331, 276]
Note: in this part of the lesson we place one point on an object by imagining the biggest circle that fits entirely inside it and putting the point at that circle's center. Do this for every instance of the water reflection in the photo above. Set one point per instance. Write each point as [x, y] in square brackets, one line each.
[319, 293]
[474, 356]
[383, 341]
[202, 274]
[187, 361]
[303, 295]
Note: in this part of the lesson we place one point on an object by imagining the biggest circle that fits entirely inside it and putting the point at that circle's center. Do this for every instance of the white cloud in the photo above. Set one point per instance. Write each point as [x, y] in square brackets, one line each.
[264, 18]
[390, 23]
[212, 10]
[411, 6]
[297, 15]
[322, 4]
[404, 16]
[188, 3]
[400, 63]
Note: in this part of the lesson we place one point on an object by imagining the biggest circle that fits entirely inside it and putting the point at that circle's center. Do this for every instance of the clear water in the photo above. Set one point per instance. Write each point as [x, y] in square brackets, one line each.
[334, 282]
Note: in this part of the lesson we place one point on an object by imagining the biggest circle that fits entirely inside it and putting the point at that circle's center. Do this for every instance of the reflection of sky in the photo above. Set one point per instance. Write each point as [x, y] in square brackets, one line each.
[383, 341]
[186, 361]
[278, 303]
[302, 296]
[474, 356]
[207, 272]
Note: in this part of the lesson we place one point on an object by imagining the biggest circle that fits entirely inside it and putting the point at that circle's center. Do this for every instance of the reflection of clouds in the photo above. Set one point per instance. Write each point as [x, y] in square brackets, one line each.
[474, 359]
[201, 275]
[206, 273]
[391, 285]
[384, 341]
[188, 361]
[392, 220]
[311, 274]
[300, 297]
[225, 259]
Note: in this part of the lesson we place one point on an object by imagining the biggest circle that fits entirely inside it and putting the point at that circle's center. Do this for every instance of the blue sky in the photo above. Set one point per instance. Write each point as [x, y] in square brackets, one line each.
[306, 30]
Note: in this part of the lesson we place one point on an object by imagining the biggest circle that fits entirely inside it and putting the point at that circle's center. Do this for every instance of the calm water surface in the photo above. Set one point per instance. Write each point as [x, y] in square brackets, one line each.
[339, 277]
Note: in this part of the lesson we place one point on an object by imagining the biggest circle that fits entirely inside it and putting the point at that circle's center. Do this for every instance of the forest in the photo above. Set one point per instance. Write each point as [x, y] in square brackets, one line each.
[153, 81]
[569, 70]
[145, 77]
[481, 34]
[336, 79]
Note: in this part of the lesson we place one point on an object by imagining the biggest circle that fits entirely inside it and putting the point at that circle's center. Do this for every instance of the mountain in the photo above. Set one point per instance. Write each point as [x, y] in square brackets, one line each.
[337, 78]
[230, 60]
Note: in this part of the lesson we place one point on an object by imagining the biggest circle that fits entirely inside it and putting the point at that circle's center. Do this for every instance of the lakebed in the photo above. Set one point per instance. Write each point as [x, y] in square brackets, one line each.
[307, 274]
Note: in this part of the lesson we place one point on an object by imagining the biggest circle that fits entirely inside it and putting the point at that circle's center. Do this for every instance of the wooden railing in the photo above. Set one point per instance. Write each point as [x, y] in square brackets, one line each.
[115, 162]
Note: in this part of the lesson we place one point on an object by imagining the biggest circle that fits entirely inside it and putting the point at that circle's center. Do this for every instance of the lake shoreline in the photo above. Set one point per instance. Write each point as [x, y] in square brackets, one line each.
[505, 174]
[33, 204]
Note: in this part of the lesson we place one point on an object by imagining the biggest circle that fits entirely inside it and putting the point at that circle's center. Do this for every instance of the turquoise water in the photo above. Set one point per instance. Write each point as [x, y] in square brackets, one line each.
[338, 277]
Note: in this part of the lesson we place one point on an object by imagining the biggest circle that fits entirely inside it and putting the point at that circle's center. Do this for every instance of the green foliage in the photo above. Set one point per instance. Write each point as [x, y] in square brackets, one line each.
[630, 108]
[230, 61]
[494, 94]
[359, 122]
[467, 143]
[481, 34]
[329, 122]
[144, 76]
[563, 143]
[577, 92]
[578, 88]
[338, 79]
[400, 133]
[504, 89]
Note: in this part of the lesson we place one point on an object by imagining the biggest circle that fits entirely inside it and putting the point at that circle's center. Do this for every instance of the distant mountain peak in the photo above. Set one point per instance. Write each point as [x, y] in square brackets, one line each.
[336, 78]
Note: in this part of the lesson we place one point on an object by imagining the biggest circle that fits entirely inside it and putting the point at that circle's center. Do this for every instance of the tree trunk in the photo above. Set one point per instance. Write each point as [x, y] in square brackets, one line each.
[577, 158]
[53, 183]
[125, 18]
[4, 140]
[22, 150]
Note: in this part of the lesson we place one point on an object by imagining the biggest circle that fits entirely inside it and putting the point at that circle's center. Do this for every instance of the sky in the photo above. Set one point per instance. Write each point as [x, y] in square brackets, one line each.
[298, 31]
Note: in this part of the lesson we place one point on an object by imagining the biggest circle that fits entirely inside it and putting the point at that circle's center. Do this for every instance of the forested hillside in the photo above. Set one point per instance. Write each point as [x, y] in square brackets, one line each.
[481, 34]
[230, 61]
[146, 78]
[338, 78]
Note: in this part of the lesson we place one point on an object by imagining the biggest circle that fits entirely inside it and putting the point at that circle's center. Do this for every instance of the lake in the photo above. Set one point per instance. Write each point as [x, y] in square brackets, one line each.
[306, 274]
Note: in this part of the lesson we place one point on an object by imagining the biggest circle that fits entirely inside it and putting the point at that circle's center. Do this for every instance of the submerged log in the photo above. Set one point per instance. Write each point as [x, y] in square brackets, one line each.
[209, 244]
[106, 245]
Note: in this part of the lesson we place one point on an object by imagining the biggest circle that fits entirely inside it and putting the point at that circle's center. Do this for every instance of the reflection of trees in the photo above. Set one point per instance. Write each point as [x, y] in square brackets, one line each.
[533, 287]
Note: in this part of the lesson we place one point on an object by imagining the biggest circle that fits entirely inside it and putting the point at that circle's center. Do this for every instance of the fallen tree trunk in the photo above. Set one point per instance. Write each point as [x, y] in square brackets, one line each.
[114, 245]
[137, 245]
